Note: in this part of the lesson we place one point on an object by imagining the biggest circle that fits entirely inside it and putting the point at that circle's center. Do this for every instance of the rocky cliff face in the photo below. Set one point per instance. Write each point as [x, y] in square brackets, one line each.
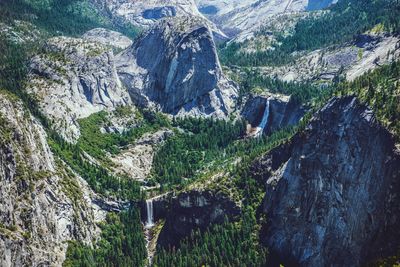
[174, 67]
[74, 78]
[283, 112]
[41, 205]
[193, 210]
[108, 37]
[332, 194]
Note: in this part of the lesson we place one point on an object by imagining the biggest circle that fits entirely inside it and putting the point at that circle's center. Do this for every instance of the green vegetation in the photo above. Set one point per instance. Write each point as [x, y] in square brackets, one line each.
[301, 92]
[379, 89]
[199, 146]
[230, 244]
[316, 32]
[13, 73]
[96, 143]
[97, 177]
[122, 244]
[393, 261]
[65, 17]
[201, 142]
[5, 132]
[12, 65]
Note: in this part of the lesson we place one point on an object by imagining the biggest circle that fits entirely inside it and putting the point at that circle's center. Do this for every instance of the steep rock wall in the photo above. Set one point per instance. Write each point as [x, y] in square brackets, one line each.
[74, 78]
[192, 210]
[174, 67]
[332, 194]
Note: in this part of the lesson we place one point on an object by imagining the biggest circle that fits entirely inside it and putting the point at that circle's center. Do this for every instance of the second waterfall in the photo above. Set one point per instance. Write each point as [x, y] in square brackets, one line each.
[264, 121]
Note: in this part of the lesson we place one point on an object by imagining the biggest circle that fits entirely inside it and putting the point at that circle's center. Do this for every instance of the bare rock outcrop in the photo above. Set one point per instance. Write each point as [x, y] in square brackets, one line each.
[108, 37]
[236, 16]
[143, 14]
[74, 78]
[332, 193]
[41, 205]
[136, 160]
[174, 68]
[351, 60]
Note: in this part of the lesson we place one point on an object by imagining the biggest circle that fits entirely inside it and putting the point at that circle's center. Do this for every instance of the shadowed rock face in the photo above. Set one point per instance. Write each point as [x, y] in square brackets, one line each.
[332, 194]
[192, 210]
[284, 112]
[175, 68]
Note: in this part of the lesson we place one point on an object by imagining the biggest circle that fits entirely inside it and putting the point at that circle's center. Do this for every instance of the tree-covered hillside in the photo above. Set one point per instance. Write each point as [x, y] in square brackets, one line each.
[60, 17]
[200, 153]
[340, 24]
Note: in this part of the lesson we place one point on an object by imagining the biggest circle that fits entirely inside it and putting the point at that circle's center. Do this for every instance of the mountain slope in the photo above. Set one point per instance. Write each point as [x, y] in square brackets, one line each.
[74, 78]
[145, 13]
[110, 145]
[175, 67]
[235, 17]
[43, 204]
[324, 205]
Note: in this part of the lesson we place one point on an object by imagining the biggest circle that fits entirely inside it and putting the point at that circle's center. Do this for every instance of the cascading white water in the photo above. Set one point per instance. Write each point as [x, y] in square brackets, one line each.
[150, 216]
[260, 128]
[148, 230]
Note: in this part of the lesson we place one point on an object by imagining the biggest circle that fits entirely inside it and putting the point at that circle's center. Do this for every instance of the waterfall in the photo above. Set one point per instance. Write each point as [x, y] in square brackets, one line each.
[264, 121]
[149, 232]
[150, 215]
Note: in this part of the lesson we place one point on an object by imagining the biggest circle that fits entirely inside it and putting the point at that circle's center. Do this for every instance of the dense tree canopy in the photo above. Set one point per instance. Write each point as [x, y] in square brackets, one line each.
[122, 244]
[345, 20]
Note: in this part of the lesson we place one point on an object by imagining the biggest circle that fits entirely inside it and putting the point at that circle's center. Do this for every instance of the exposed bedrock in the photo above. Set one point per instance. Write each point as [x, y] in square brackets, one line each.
[174, 67]
[108, 38]
[73, 78]
[42, 204]
[332, 193]
[283, 112]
